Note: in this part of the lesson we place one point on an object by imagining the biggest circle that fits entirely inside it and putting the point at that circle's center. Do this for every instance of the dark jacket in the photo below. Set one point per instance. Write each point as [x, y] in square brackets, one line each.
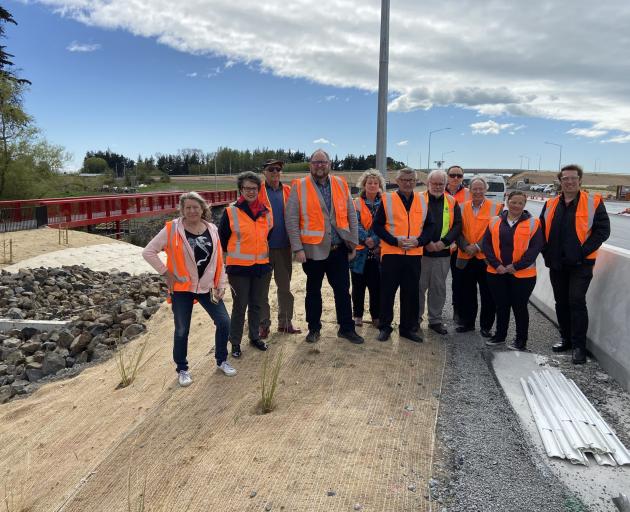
[378, 224]
[436, 207]
[225, 232]
[506, 244]
[563, 246]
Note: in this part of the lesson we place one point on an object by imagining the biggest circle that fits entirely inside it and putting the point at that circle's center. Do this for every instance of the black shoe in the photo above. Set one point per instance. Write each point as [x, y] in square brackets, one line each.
[485, 333]
[236, 351]
[383, 335]
[494, 341]
[517, 345]
[312, 336]
[415, 328]
[439, 328]
[351, 336]
[563, 346]
[411, 336]
[579, 355]
[465, 328]
[259, 344]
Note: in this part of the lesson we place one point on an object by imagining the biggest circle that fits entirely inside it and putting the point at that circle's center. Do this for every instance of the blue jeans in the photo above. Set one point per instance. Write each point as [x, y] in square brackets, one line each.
[182, 303]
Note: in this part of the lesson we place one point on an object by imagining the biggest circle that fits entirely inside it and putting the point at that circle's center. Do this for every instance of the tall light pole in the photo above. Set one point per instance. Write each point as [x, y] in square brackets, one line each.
[524, 156]
[381, 124]
[446, 153]
[429, 154]
[560, 159]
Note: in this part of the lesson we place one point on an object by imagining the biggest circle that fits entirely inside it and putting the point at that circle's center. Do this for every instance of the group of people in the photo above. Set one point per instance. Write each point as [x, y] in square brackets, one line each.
[384, 242]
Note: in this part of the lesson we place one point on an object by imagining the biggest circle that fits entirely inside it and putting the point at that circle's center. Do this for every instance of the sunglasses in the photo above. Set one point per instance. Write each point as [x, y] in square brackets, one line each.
[273, 169]
[455, 175]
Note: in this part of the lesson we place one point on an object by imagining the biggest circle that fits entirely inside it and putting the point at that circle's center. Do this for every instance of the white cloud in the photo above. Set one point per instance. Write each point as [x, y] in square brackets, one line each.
[619, 139]
[192, 75]
[548, 60]
[75, 46]
[332, 97]
[587, 132]
[402, 143]
[489, 127]
[321, 140]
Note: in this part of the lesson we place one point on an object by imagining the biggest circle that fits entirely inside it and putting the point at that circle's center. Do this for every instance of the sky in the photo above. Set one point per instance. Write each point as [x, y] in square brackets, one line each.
[505, 77]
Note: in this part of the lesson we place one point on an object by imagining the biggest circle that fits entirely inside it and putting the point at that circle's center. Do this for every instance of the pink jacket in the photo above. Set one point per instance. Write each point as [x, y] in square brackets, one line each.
[199, 285]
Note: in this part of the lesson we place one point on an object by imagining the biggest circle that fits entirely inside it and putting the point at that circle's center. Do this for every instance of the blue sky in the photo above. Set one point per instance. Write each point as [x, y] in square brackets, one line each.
[229, 75]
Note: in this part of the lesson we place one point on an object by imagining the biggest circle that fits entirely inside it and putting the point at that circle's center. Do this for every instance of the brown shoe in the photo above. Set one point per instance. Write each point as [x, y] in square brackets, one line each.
[289, 329]
[263, 332]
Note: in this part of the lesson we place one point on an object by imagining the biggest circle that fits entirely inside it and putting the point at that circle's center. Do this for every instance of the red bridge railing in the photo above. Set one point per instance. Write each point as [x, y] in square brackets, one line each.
[71, 212]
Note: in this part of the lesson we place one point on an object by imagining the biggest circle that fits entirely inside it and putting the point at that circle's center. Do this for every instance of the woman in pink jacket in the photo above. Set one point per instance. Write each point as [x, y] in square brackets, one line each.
[194, 272]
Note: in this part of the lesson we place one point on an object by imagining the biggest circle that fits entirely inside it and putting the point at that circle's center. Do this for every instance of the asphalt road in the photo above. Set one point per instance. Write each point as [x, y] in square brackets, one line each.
[619, 224]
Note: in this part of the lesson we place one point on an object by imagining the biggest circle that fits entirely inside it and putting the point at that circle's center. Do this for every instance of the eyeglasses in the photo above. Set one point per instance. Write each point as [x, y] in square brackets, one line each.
[570, 178]
[320, 162]
[249, 189]
[407, 180]
[273, 169]
[455, 175]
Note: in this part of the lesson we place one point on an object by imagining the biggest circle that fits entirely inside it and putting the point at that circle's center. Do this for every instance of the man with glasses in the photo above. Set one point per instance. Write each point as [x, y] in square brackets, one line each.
[404, 224]
[322, 226]
[274, 195]
[575, 225]
[447, 225]
[455, 188]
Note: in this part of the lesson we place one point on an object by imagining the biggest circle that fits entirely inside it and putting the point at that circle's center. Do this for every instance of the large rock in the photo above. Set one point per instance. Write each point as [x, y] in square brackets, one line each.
[65, 338]
[133, 330]
[34, 371]
[53, 362]
[15, 357]
[11, 343]
[6, 392]
[80, 343]
[16, 314]
[30, 347]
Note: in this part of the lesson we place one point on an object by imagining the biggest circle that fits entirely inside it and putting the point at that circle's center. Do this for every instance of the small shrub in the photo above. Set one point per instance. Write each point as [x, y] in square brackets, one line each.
[128, 366]
[269, 381]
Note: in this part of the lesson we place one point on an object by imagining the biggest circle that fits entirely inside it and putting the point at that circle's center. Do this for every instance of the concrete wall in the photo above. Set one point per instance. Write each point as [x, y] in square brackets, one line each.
[608, 301]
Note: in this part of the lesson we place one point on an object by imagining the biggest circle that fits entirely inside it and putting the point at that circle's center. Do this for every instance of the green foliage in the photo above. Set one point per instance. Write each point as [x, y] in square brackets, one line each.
[128, 365]
[296, 167]
[269, 381]
[95, 165]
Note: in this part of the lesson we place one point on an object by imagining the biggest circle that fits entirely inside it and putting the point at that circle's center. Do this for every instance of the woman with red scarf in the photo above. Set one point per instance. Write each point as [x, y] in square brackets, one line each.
[244, 230]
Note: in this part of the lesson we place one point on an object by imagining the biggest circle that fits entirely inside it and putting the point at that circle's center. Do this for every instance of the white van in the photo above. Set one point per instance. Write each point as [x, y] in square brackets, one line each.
[496, 187]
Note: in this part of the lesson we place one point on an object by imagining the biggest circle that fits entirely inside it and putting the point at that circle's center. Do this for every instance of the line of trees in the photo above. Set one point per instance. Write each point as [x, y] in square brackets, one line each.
[223, 161]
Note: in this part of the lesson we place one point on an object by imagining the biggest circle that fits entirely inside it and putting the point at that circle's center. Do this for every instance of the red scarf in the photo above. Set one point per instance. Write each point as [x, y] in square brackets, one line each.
[256, 206]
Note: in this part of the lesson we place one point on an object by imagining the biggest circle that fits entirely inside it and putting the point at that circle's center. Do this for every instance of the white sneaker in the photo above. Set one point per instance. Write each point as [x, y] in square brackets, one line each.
[227, 368]
[185, 379]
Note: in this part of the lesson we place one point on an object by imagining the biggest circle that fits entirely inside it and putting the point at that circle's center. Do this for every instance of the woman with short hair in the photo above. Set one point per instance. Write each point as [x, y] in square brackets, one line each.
[244, 230]
[194, 273]
[365, 268]
[511, 244]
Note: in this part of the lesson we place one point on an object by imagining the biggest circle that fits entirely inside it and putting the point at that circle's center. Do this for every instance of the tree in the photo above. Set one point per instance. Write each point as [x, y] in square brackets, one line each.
[95, 165]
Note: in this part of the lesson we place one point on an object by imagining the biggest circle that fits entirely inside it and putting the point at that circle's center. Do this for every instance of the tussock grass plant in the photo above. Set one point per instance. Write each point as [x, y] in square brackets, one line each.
[269, 380]
[128, 365]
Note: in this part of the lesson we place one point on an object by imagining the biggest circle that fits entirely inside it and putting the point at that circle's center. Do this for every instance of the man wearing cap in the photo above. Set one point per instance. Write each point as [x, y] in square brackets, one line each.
[323, 230]
[274, 195]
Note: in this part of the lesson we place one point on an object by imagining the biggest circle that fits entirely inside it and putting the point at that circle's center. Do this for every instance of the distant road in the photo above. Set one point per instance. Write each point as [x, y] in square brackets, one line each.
[619, 224]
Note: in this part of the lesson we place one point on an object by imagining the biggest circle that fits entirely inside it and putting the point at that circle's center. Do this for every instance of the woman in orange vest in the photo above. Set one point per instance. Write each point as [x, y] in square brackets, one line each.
[244, 230]
[476, 215]
[194, 273]
[365, 267]
[511, 244]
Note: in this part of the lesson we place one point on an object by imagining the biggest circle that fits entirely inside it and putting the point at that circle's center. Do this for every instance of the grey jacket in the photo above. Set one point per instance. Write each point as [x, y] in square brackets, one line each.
[322, 250]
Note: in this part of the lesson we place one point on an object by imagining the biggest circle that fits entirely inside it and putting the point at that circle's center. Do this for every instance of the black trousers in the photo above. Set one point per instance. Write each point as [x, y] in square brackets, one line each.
[371, 278]
[513, 293]
[400, 271]
[336, 270]
[473, 276]
[456, 285]
[570, 285]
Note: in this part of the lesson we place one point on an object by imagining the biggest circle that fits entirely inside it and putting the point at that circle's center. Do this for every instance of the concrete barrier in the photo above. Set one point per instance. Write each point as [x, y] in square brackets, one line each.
[608, 301]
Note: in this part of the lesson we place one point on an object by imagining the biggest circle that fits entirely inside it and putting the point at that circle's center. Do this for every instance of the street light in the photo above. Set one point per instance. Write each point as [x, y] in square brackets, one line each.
[383, 67]
[446, 153]
[429, 155]
[524, 156]
[560, 159]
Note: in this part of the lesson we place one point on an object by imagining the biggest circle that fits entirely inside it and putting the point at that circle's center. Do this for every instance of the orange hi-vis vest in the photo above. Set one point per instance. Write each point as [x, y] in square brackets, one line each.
[523, 234]
[264, 198]
[587, 204]
[401, 223]
[474, 226]
[312, 224]
[366, 216]
[248, 245]
[461, 196]
[176, 263]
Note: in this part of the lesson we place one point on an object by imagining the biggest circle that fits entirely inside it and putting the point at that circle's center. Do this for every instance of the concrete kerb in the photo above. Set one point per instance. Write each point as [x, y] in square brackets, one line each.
[6, 324]
[595, 485]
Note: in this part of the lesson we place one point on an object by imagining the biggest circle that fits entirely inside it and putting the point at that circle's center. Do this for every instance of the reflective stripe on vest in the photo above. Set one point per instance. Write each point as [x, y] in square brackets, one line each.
[409, 229]
[522, 238]
[586, 207]
[447, 212]
[474, 229]
[235, 253]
